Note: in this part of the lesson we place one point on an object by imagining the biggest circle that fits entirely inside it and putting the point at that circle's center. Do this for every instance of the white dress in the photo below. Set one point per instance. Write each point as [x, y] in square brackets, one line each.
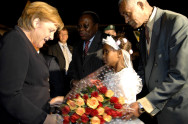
[127, 84]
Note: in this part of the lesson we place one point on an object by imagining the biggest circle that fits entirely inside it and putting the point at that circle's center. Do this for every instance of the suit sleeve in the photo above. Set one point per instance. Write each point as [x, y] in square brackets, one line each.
[141, 71]
[50, 51]
[72, 72]
[56, 79]
[14, 62]
[177, 73]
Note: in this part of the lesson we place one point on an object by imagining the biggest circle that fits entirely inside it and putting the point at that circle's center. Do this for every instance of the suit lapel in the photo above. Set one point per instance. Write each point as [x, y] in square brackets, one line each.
[143, 50]
[154, 45]
[59, 50]
[93, 47]
[70, 48]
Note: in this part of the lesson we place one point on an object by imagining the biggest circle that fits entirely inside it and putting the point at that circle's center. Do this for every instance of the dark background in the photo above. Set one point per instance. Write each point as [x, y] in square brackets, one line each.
[69, 10]
[10, 10]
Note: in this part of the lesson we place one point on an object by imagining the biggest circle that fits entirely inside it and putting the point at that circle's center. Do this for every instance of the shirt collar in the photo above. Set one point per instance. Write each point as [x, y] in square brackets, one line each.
[61, 44]
[151, 19]
[90, 41]
[92, 38]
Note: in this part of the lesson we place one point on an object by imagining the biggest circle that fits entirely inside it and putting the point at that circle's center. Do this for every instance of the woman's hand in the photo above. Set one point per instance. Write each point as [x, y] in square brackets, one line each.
[53, 119]
[56, 101]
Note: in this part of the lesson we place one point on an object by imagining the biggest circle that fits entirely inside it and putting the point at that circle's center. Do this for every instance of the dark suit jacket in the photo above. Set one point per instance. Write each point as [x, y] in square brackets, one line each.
[82, 66]
[24, 87]
[165, 70]
[56, 78]
[56, 51]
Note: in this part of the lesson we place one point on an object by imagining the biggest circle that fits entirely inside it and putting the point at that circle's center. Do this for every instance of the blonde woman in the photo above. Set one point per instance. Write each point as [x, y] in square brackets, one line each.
[24, 86]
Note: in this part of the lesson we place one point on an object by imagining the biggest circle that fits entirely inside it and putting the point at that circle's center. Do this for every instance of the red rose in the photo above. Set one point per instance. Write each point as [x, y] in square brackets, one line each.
[66, 120]
[65, 110]
[94, 112]
[103, 90]
[100, 105]
[114, 113]
[106, 108]
[117, 106]
[84, 118]
[114, 100]
[109, 112]
[88, 111]
[102, 121]
[94, 94]
[74, 118]
[77, 95]
[119, 114]
[85, 96]
[68, 98]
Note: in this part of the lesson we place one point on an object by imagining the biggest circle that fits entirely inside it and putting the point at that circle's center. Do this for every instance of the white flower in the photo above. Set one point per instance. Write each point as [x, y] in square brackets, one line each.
[110, 41]
[118, 42]
[130, 51]
[125, 40]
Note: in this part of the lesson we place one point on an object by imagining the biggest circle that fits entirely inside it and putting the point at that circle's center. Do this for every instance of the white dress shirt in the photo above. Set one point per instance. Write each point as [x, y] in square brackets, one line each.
[150, 26]
[68, 57]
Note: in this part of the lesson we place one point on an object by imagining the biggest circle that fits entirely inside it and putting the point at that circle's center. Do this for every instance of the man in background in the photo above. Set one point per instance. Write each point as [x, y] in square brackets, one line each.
[87, 54]
[111, 30]
[63, 52]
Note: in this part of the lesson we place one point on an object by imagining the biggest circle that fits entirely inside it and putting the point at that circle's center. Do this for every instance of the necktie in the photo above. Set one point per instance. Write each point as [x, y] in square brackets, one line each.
[65, 52]
[86, 48]
[147, 38]
[147, 34]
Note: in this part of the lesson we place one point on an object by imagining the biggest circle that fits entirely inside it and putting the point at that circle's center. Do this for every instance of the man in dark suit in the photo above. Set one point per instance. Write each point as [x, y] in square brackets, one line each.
[163, 67]
[63, 52]
[87, 54]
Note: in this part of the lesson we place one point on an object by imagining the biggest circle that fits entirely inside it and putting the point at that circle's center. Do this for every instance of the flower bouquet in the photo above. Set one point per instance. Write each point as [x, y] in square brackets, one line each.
[94, 78]
[92, 105]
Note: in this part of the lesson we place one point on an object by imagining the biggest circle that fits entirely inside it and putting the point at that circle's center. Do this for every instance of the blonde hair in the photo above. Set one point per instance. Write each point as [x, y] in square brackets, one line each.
[41, 10]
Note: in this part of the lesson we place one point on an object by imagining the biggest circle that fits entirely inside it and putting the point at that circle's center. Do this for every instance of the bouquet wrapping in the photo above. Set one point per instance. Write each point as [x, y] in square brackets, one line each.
[90, 102]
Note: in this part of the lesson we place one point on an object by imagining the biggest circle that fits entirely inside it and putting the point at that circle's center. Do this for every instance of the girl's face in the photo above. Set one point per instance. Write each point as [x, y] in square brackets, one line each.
[110, 56]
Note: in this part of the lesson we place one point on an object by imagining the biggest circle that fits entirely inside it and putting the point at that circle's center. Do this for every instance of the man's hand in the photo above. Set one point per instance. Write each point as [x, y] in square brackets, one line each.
[134, 112]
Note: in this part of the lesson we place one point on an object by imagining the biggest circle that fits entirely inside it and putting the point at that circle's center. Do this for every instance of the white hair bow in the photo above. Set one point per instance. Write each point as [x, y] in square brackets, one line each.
[110, 41]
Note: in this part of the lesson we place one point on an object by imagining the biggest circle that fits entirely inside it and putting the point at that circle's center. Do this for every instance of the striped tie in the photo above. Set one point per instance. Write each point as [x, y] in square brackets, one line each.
[147, 39]
[86, 48]
[147, 34]
[65, 52]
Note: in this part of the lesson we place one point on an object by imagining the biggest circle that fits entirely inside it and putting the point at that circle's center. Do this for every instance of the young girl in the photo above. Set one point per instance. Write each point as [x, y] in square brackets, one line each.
[124, 81]
[117, 75]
